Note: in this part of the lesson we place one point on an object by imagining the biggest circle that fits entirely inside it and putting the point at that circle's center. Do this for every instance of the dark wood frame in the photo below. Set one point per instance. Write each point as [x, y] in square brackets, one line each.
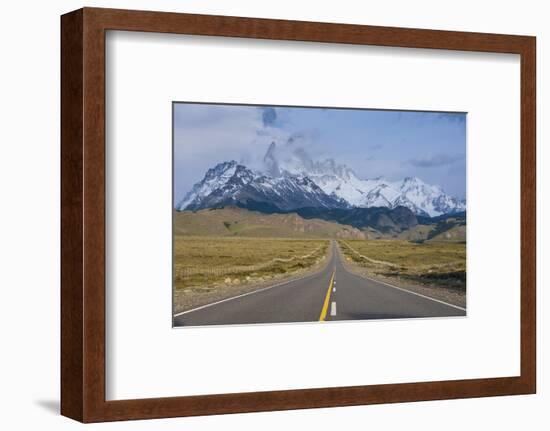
[83, 214]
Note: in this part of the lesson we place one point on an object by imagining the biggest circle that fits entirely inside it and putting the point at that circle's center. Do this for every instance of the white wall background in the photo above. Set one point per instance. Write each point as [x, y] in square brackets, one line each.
[29, 216]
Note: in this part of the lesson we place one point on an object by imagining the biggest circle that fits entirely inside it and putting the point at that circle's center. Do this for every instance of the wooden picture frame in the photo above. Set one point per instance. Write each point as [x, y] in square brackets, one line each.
[83, 334]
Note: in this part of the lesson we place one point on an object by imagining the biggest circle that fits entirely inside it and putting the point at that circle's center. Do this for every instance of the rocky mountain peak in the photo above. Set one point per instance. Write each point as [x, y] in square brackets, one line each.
[292, 179]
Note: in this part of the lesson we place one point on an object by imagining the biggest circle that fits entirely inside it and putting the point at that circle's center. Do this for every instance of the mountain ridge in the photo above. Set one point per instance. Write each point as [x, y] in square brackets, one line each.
[291, 181]
[234, 221]
[231, 183]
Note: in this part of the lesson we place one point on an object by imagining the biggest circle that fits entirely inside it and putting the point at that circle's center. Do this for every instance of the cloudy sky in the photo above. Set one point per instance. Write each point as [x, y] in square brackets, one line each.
[392, 144]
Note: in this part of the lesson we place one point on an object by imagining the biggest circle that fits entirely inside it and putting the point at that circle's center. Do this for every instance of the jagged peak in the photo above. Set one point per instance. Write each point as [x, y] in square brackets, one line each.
[289, 170]
[415, 180]
[293, 160]
[227, 164]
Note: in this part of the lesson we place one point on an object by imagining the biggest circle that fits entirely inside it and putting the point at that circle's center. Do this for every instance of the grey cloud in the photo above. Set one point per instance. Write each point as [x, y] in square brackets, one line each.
[436, 160]
[269, 116]
[454, 117]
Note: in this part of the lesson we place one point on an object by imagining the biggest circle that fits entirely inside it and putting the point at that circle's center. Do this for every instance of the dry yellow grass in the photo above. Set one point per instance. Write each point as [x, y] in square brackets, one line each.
[202, 262]
[428, 263]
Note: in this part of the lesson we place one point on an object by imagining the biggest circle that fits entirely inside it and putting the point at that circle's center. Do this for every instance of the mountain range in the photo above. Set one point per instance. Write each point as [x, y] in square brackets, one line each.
[292, 180]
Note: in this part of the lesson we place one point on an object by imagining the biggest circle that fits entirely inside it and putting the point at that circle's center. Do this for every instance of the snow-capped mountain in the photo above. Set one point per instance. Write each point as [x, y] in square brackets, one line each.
[291, 180]
[231, 183]
[421, 198]
[341, 182]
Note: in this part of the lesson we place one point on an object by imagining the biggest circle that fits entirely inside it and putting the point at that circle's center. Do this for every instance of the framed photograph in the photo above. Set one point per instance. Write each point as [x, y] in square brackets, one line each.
[266, 233]
[267, 215]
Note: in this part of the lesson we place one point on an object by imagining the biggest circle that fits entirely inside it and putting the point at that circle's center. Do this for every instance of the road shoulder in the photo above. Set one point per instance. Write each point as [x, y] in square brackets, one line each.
[449, 295]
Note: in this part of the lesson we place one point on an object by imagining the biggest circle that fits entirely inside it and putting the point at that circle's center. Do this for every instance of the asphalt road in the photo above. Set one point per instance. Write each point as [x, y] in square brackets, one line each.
[330, 294]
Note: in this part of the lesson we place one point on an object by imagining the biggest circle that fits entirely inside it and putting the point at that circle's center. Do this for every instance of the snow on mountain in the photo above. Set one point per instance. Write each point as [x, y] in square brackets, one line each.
[214, 179]
[292, 180]
[341, 182]
[230, 183]
[334, 179]
[421, 197]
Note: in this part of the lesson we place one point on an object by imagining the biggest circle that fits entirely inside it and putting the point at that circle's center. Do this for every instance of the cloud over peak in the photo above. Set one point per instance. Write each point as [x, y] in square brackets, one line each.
[269, 116]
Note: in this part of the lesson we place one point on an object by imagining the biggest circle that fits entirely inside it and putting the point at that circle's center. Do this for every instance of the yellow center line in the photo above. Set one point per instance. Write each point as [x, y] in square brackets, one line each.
[324, 310]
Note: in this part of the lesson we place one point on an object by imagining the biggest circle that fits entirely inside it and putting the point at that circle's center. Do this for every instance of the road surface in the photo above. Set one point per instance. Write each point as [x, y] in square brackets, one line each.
[331, 294]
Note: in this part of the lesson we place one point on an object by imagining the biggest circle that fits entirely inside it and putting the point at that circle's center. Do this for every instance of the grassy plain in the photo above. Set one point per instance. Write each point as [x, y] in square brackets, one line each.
[203, 263]
[439, 263]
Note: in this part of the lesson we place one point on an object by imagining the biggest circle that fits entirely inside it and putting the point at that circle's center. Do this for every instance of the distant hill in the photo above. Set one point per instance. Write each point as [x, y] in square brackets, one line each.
[458, 216]
[353, 223]
[455, 233]
[449, 228]
[234, 221]
[380, 219]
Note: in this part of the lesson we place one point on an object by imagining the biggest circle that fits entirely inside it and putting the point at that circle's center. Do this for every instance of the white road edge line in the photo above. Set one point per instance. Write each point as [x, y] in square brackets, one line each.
[412, 293]
[244, 294]
[333, 308]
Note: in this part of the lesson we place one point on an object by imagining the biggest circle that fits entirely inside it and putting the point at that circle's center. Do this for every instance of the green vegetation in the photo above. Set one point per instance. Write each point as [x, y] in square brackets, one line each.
[441, 263]
[203, 262]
